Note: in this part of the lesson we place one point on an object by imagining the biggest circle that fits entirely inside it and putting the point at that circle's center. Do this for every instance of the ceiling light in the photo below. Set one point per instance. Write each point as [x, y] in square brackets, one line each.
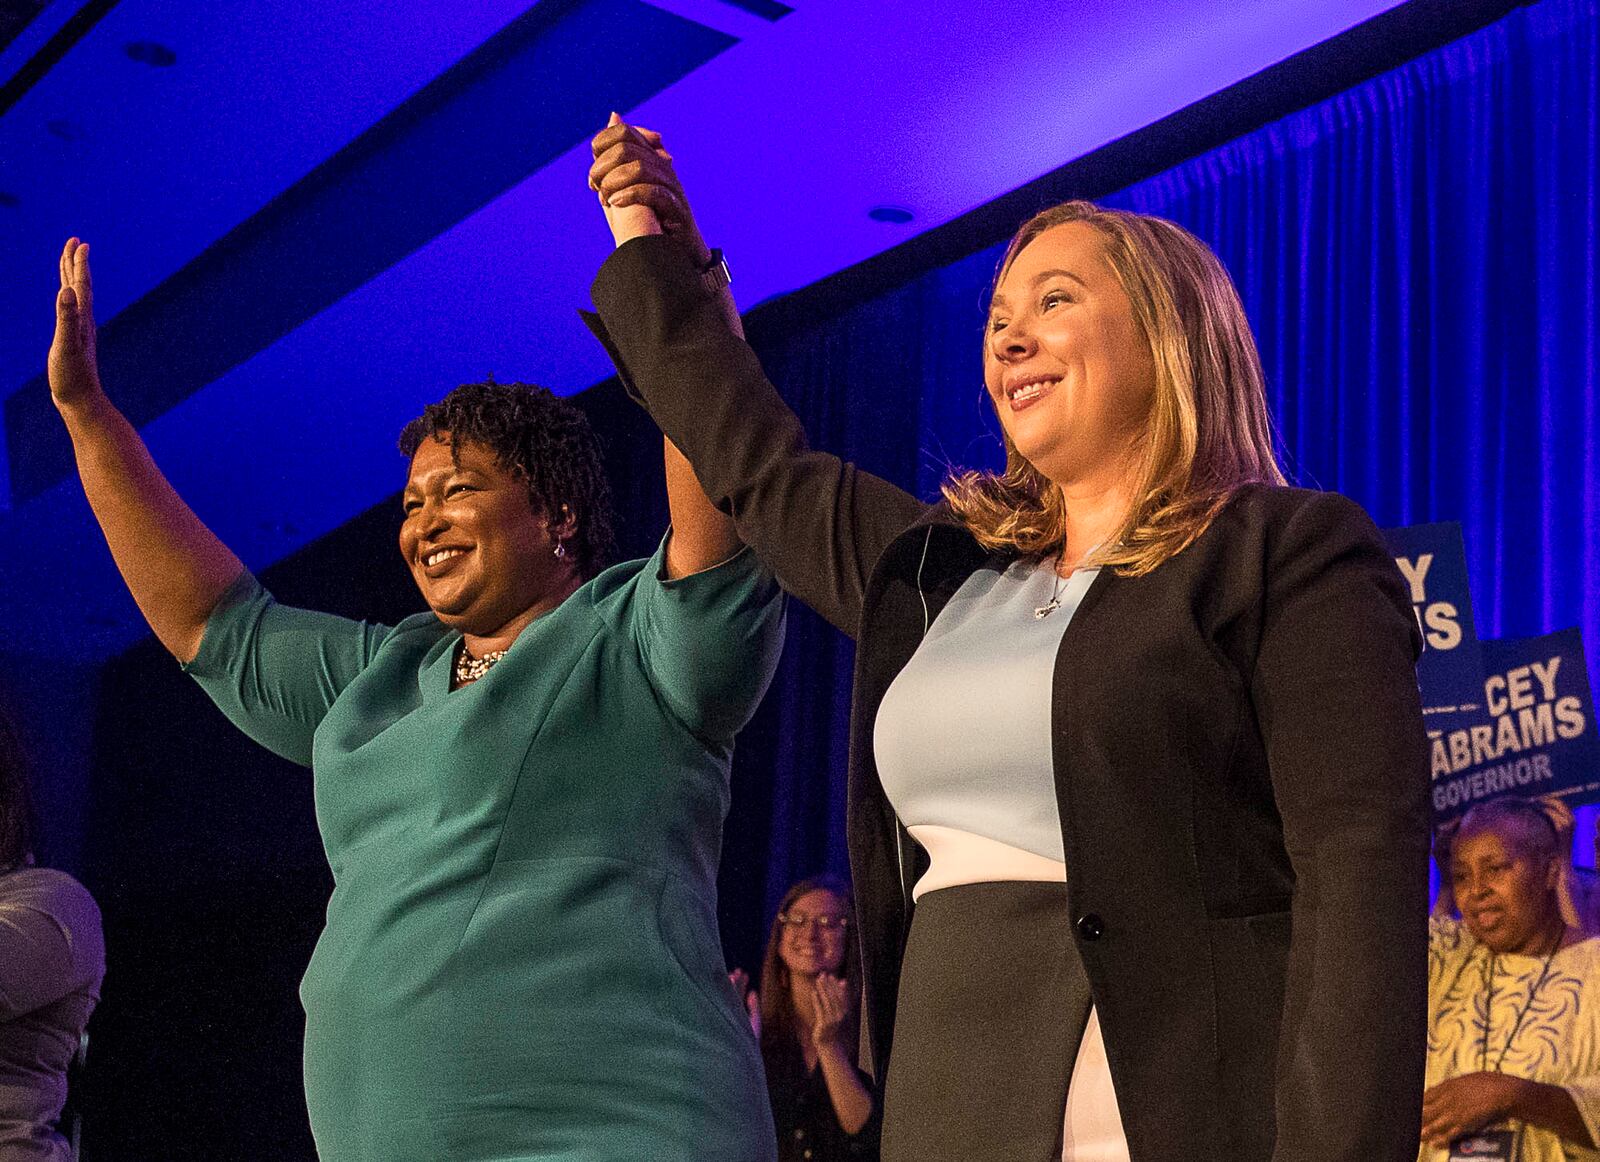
[898, 215]
[149, 52]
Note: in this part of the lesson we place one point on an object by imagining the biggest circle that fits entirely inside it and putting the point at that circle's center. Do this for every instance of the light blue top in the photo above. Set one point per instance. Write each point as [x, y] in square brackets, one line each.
[962, 737]
[521, 957]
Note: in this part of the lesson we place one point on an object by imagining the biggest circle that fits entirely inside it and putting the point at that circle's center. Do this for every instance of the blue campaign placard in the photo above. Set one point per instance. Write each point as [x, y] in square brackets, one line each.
[1529, 731]
[1433, 560]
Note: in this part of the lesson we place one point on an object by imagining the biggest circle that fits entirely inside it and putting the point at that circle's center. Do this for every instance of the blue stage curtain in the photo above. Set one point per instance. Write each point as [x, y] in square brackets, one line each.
[1417, 256]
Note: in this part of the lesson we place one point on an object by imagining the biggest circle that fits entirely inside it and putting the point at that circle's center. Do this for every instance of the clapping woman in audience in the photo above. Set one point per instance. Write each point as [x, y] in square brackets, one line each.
[1138, 817]
[809, 1026]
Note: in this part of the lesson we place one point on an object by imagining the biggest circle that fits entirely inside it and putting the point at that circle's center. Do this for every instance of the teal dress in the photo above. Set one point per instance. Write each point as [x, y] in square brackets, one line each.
[520, 958]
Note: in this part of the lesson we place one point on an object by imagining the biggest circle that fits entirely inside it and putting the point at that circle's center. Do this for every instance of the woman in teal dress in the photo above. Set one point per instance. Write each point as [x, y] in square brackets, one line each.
[520, 792]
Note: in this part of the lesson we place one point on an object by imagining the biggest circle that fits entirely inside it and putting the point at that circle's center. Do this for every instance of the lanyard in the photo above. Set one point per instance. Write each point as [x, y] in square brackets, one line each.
[1488, 1009]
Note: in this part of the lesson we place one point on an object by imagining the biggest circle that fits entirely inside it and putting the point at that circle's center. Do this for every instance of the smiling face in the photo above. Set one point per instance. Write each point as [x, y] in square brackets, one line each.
[1506, 894]
[817, 945]
[481, 555]
[1065, 363]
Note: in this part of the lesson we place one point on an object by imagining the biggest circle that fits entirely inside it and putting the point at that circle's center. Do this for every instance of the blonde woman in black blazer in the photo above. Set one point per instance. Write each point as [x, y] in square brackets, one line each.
[1235, 731]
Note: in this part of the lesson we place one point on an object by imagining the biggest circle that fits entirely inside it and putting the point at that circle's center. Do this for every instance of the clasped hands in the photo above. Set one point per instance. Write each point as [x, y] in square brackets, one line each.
[1467, 1104]
[634, 179]
[831, 1007]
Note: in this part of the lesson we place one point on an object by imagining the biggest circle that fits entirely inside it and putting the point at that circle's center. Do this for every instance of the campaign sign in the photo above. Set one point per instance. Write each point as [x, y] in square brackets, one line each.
[1433, 560]
[1530, 731]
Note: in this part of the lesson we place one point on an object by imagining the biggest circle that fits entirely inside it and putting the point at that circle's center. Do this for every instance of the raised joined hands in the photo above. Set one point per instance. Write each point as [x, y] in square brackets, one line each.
[633, 176]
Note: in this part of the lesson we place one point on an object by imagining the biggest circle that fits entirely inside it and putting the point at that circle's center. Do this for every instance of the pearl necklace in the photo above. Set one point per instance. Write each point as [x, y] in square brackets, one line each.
[470, 669]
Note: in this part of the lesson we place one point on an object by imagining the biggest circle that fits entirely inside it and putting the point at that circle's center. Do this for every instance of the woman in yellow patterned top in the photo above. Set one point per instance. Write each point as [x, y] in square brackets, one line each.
[1513, 1000]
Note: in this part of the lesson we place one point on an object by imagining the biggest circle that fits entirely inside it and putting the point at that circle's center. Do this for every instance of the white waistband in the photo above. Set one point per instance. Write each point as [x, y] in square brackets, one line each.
[960, 857]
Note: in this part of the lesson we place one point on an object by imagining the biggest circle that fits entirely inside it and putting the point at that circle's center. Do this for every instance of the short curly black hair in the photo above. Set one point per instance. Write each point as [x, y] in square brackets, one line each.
[540, 437]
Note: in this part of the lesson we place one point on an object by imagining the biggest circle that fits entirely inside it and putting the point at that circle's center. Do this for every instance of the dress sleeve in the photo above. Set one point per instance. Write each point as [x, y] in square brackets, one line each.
[1335, 694]
[1585, 1094]
[819, 523]
[50, 946]
[275, 670]
[709, 641]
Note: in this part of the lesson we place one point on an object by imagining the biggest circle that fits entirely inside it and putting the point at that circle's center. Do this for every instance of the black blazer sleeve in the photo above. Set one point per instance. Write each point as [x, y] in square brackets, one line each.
[1335, 694]
[819, 523]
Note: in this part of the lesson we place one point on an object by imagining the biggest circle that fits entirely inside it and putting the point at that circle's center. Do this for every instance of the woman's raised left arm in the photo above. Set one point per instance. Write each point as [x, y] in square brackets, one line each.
[701, 535]
[669, 324]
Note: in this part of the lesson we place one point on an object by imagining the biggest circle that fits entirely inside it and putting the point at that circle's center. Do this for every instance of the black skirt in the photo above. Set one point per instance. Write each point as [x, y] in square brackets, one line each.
[993, 1004]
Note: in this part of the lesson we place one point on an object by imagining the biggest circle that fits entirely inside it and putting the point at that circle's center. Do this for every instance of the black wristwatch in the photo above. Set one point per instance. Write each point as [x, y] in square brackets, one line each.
[715, 273]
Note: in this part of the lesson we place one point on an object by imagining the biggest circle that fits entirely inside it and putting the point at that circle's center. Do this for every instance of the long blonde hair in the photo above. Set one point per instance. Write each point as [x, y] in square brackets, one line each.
[1208, 432]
